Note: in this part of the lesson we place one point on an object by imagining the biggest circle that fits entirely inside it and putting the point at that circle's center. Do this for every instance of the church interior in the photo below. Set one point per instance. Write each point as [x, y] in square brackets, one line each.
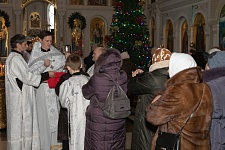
[175, 24]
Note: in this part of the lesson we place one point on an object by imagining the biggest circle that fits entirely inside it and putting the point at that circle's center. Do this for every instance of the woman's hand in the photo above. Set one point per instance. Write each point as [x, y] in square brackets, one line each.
[51, 73]
[138, 71]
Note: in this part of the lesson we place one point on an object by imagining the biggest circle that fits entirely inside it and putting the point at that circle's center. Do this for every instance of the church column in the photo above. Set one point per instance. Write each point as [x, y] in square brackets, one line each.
[176, 35]
[61, 28]
[215, 35]
[86, 39]
[109, 3]
[158, 30]
[19, 23]
[207, 38]
[190, 33]
[85, 2]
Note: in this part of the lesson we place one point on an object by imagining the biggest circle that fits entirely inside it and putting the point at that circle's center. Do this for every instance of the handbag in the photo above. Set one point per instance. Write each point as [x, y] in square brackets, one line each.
[170, 141]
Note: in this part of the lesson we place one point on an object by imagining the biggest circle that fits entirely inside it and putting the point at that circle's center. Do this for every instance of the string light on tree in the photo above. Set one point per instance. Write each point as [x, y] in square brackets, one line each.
[129, 31]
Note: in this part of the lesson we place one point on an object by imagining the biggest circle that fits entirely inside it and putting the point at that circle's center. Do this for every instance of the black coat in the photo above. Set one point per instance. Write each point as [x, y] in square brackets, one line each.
[147, 86]
[88, 61]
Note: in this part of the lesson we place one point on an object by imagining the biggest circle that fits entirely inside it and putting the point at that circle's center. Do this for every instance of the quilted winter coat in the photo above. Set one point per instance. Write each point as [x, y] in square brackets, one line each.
[215, 78]
[147, 86]
[183, 93]
[103, 133]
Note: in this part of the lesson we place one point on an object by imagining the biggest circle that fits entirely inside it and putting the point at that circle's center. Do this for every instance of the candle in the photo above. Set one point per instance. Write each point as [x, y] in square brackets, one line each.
[67, 49]
[3, 68]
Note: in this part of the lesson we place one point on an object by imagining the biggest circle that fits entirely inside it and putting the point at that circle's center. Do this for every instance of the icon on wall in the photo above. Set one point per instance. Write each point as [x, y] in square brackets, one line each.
[3, 38]
[97, 30]
[77, 34]
[35, 20]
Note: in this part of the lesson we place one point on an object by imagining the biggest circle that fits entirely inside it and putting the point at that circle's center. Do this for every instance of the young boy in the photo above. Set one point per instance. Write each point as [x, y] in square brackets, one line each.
[71, 97]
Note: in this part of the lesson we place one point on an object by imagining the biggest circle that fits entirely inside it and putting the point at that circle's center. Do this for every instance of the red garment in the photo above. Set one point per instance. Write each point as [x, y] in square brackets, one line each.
[54, 80]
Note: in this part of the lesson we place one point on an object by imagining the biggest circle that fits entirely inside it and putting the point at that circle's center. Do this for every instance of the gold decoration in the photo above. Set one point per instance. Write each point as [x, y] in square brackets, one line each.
[56, 147]
[6, 17]
[138, 43]
[115, 28]
[76, 16]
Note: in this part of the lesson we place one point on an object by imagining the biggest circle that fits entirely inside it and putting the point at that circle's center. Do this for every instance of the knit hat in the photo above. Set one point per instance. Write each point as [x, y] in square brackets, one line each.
[160, 59]
[216, 59]
[160, 54]
[125, 55]
[179, 62]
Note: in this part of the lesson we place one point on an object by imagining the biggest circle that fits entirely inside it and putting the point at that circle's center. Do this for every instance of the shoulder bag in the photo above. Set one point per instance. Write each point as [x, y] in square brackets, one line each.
[170, 141]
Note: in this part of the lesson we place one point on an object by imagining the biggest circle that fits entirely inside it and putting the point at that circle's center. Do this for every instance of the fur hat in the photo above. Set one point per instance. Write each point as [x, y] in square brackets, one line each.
[125, 55]
[216, 59]
[160, 59]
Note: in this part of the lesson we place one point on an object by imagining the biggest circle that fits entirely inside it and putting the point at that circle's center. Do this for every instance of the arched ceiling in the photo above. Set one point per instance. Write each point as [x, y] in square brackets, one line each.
[26, 2]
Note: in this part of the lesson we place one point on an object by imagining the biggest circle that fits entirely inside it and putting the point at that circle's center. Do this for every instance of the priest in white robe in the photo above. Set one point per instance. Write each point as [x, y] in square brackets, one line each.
[47, 101]
[22, 125]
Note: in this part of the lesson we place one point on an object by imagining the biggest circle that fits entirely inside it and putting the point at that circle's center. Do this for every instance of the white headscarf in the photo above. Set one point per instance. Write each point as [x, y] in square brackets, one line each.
[125, 55]
[179, 62]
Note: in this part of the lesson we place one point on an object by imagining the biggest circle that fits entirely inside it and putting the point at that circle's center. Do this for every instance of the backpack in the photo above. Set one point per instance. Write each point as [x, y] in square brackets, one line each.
[116, 107]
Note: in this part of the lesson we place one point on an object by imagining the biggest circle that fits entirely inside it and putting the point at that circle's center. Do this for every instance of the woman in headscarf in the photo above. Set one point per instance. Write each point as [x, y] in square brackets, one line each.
[103, 133]
[184, 93]
[147, 85]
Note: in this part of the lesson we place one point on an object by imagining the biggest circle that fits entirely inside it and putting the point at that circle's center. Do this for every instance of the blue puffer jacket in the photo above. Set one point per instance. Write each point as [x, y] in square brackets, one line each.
[215, 78]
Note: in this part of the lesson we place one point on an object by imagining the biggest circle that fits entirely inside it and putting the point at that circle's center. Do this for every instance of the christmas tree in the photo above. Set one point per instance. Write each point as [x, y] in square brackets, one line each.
[129, 31]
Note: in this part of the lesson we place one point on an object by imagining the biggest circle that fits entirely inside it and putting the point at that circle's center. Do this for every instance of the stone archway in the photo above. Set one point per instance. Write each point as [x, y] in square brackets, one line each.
[169, 35]
[184, 37]
[199, 33]
[26, 2]
[152, 32]
[33, 25]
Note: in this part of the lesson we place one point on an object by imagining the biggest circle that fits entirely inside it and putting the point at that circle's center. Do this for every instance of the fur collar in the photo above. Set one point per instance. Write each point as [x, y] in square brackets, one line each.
[158, 65]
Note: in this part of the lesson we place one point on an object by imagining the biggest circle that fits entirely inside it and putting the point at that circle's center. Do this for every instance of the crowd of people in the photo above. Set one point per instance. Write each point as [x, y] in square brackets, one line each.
[52, 101]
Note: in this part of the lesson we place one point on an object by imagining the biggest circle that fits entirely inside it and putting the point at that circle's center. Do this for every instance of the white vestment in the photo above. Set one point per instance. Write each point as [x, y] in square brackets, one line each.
[90, 71]
[71, 97]
[47, 101]
[22, 125]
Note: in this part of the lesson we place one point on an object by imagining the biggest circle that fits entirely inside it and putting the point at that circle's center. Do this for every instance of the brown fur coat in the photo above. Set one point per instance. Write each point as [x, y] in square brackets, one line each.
[183, 93]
